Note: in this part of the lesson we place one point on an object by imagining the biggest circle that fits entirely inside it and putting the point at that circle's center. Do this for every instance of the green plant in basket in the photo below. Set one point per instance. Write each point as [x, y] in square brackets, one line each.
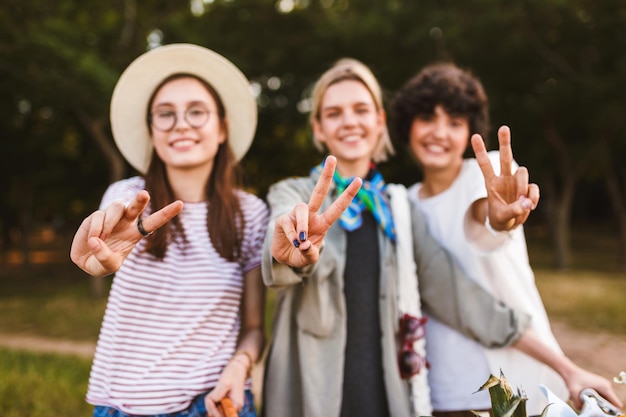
[505, 402]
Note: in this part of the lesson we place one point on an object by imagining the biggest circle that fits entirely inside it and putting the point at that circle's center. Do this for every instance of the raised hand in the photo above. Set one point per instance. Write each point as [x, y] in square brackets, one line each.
[298, 235]
[510, 198]
[106, 237]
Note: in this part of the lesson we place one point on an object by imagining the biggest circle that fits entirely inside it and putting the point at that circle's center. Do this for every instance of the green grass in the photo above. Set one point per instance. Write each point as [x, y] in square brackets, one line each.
[41, 385]
[589, 300]
[591, 295]
[52, 301]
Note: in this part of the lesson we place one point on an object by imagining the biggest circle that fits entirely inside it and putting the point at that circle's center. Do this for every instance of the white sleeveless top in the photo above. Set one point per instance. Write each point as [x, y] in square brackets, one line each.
[459, 365]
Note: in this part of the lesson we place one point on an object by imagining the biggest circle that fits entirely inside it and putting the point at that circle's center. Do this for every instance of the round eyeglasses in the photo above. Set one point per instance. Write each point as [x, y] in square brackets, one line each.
[164, 120]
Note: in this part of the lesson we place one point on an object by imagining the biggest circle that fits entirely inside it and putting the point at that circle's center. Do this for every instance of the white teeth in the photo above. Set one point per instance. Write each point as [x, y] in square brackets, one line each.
[182, 143]
[435, 148]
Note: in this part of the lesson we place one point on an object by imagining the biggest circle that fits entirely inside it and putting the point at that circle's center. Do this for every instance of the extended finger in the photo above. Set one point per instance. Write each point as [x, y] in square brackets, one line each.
[506, 152]
[162, 216]
[323, 184]
[333, 212]
[478, 145]
[137, 205]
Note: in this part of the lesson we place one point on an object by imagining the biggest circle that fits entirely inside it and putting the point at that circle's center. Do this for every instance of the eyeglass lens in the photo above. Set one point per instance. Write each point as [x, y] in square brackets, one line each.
[412, 328]
[410, 362]
[164, 120]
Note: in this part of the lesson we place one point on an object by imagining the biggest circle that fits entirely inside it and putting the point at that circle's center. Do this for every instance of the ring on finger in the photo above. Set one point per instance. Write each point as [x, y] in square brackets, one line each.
[141, 229]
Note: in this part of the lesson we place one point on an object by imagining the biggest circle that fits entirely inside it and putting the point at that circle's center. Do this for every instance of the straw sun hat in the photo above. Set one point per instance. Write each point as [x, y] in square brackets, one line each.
[129, 103]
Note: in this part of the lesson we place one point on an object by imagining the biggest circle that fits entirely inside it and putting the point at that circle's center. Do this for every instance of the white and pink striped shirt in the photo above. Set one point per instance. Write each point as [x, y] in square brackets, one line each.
[170, 326]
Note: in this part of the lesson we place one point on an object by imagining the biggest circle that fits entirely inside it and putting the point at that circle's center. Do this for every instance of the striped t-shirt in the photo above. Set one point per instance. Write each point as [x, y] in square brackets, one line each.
[171, 325]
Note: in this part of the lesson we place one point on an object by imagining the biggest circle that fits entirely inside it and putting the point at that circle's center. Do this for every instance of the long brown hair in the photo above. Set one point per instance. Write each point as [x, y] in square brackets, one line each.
[225, 222]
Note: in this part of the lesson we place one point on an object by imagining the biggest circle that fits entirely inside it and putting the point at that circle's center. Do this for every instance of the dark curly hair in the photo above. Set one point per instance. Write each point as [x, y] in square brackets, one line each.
[458, 91]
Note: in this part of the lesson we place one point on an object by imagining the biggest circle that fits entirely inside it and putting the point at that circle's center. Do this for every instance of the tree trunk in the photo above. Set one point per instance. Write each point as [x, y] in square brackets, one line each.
[616, 195]
[26, 221]
[559, 220]
[561, 189]
[96, 128]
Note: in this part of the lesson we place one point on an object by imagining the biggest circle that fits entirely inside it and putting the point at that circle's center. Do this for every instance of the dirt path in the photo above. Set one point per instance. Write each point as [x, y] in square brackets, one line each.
[602, 353]
[47, 345]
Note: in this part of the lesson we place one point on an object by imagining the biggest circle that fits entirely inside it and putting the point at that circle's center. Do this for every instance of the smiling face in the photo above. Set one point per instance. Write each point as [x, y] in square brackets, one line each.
[349, 125]
[186, 146]
[439, 140]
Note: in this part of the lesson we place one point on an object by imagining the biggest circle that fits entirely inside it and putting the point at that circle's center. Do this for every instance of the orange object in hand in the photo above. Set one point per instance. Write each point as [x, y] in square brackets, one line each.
[226, 407]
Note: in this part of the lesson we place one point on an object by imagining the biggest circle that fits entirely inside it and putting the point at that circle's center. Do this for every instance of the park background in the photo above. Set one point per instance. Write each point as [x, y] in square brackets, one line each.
[554, 71]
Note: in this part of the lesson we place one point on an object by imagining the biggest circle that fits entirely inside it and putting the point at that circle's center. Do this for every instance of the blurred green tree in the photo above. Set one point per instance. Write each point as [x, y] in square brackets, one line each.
[552, 68]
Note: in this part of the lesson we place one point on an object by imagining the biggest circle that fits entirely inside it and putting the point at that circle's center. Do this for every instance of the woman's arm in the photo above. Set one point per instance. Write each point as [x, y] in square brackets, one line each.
[252, 316]
[249, 349]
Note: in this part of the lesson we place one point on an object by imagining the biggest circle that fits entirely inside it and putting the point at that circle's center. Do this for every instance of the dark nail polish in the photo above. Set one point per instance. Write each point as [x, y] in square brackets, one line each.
[296, 243]
[302, 236]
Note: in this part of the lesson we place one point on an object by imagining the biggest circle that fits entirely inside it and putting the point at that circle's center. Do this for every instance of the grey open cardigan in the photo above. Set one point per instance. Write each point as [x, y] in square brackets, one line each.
[304, 370]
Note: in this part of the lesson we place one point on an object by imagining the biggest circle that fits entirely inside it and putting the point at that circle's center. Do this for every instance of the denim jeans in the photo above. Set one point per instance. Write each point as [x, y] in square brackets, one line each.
[196, 409]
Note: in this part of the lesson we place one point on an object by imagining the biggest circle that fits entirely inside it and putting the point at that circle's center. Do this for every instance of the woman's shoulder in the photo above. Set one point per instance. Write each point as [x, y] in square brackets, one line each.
[133, 183]
[122, 190]
[252, 206]
[248, 198]
[304, 184]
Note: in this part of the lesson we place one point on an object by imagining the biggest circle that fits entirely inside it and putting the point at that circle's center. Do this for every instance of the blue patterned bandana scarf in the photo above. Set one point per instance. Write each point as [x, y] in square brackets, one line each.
[371, 197]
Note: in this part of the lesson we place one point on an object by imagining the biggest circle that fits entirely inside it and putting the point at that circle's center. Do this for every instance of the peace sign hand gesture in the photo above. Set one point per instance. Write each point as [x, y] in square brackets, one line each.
[510, 198]
[106, 237]
[298, 235]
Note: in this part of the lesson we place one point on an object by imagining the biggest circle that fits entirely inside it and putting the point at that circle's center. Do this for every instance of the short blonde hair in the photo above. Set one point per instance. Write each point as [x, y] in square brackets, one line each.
[351, 69]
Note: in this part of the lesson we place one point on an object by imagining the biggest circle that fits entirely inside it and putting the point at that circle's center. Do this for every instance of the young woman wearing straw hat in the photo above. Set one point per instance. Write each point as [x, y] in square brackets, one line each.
[183, 324]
